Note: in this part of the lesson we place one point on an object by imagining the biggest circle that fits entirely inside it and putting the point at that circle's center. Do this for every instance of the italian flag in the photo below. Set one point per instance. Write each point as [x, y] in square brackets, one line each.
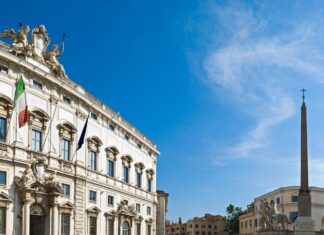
[21, 102]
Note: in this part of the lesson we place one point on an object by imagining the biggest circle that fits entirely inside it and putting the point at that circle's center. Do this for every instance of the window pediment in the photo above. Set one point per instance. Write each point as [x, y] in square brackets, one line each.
[93, 211]
[66, 128]
[4, 198]
[150, 172]
[6, 101]
[38, 117]
[112, 152]
[110, 214]
[94, 142]
[127, 159]
[66, 207]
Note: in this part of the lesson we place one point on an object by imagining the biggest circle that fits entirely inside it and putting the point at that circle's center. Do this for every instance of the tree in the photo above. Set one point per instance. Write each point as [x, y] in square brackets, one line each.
[233, 213]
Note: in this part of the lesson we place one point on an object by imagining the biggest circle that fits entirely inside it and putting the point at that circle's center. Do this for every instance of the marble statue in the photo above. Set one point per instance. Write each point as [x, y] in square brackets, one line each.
[278, 217]
[51, 58]
[20, 43]
[36, 177]
[39, 41]
[271, 218]
[265, 218]
[27, 179]
[53, 184]
[36, 47]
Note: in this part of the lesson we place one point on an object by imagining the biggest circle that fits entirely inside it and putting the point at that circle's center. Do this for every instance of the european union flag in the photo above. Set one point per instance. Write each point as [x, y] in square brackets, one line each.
[82, 137]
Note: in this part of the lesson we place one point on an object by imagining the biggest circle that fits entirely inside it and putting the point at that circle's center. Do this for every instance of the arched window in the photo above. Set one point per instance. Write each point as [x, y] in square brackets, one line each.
[94, 144]
[126, 159]
[6, 107]
[112, 153]
[37, 120]
[126, 228]
[66, 135]
[139, 172]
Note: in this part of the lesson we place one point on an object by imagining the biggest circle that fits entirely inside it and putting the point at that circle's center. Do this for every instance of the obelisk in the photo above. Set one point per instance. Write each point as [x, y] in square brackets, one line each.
[304, 222]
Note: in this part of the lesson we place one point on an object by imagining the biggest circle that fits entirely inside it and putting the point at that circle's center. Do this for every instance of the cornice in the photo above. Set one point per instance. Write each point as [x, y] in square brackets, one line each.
[81, 93]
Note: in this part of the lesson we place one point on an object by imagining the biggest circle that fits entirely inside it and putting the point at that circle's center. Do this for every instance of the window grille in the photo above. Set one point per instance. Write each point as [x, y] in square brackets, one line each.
[3, 220]
[65, 224]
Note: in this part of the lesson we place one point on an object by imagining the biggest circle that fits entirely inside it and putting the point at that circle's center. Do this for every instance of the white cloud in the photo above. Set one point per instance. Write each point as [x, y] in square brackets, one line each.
[255, 66]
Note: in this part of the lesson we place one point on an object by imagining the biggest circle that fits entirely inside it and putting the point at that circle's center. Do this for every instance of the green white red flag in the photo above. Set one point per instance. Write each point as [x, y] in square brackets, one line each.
[21, 102]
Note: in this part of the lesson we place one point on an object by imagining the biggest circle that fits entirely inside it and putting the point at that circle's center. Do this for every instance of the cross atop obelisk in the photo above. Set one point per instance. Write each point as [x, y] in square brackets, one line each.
[303, 90]
[304, 199]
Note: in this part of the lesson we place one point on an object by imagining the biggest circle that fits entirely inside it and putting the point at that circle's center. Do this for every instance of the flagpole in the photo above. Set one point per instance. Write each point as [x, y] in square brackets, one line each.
[49, 128]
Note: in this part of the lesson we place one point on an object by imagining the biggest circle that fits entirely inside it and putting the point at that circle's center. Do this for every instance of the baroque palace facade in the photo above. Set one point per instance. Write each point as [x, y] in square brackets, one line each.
[46, 187]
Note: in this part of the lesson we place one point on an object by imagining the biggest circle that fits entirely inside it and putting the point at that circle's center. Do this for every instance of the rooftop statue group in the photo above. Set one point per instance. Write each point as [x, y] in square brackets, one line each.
[36, 47]
[271, 219]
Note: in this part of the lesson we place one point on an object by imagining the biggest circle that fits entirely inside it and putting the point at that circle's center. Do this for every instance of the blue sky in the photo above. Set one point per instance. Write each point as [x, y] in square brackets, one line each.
[215, 84]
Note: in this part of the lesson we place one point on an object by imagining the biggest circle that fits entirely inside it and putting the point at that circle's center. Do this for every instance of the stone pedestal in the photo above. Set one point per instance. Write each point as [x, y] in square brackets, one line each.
[276, 232]
[304, 226]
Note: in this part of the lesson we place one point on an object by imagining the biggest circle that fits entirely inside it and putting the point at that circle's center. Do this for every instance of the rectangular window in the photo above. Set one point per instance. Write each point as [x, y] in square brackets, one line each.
[93, 225]
[256, 223]
[66, 189]
[139, 146]
[37, 85]
[110, 227]
[93, 160]
[149, 185]
[66, 100]
[3, 129]
[3, 177]
[293, 216]
[148, 229]
[148, 210]
[138, 229]
[138, 208]
[65, 224]
[36, 140]
[294, 198]
[94, 116]
[110, 200]
[138, 180]
[278, 200]
[112, 127]
[92, 196]
[126, 176]
[3, 220]
[126, 137]
[111, 168]
[3, 69]
[65, 151]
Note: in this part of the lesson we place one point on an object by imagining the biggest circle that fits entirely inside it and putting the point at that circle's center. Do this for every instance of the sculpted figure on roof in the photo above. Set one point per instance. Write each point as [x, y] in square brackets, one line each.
[51, 58]
[39, 41]
[20, 43]
[36, 47]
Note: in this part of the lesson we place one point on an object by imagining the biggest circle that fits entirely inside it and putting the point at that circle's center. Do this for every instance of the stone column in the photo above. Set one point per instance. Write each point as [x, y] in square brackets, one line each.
[26, 219]
[55, 220]
[54, 211]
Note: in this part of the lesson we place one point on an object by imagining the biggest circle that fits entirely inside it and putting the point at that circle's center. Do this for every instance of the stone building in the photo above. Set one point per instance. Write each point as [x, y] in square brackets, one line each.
[47, 187]
[207, 225]
[287, 201]
[246, 221]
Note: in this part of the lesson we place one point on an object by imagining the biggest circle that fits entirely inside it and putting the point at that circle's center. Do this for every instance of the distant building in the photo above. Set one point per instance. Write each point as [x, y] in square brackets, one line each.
[162, 208]
[246, 221]
[287, 201]
[207, 225]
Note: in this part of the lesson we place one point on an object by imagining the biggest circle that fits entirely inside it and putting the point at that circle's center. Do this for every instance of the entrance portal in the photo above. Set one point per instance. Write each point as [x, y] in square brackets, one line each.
[37, 225]
[37, 220]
